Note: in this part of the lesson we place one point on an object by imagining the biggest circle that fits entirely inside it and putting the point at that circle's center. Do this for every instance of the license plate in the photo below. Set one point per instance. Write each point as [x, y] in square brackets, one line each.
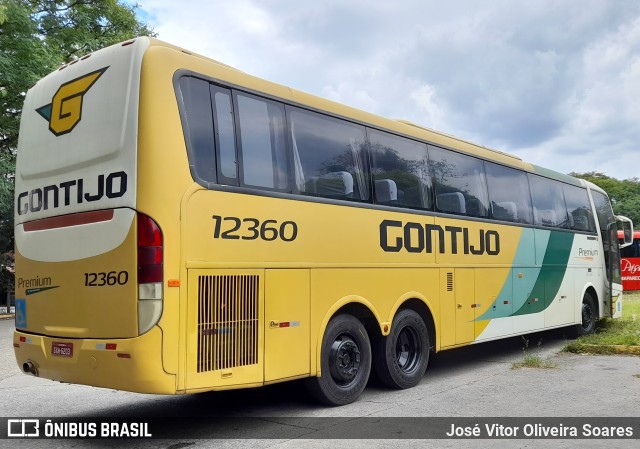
[62, 349]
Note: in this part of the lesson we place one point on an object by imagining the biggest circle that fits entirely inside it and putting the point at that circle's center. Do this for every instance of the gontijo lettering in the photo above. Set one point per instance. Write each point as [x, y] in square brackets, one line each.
[427, 238]
[113, 185]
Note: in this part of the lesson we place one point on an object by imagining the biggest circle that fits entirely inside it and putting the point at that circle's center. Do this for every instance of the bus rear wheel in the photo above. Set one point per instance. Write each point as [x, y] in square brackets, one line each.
[589, 314]
[345, 362]
[401, 358]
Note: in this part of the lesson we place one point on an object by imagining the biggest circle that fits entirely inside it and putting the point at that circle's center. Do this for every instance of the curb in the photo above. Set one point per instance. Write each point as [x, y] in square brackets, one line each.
[8, 316]
[618, 349]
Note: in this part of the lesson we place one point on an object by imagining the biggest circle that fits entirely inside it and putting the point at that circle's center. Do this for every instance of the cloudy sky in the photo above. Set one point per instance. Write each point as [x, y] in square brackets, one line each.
[556, 82]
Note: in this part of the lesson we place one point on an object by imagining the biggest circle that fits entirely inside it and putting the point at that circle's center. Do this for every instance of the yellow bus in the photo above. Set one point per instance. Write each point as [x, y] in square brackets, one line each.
[182, 226]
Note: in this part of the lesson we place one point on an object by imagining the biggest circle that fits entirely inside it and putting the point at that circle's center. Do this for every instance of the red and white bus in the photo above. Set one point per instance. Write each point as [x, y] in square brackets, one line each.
[631, 263]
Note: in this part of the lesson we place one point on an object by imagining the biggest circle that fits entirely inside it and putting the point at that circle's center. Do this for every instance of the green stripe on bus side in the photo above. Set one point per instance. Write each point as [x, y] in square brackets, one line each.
[554, 267]
[524, 257]
[538, 282]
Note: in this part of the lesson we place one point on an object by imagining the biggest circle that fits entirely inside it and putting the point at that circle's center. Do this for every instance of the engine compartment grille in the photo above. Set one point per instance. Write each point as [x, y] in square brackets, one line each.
[228, 313]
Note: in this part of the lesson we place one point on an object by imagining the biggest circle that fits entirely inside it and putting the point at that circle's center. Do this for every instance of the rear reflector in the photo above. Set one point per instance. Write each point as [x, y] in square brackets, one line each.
[64, 221]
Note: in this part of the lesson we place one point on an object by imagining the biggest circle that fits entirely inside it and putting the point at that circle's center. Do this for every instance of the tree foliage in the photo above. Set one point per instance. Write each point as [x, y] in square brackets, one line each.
[625, 195]
[36, 37]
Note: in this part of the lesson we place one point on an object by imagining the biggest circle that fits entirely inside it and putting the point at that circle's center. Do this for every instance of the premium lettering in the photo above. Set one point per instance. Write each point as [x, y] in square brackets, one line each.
[34, 282]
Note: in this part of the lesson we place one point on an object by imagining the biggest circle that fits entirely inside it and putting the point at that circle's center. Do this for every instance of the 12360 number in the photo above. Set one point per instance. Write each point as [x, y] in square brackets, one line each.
[235, 228]
[102, 279]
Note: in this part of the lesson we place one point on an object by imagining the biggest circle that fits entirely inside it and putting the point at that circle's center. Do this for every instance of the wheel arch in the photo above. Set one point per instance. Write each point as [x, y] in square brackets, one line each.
[590, 288]
[421, 307]
[376, 328]
[585, 326]
[356, 306]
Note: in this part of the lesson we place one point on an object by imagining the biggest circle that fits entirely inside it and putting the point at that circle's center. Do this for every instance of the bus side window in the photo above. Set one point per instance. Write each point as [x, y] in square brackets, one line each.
[328, 156]
[400, 171]
[198, 127]
[549, 208]
[262, 142]
[225, 135]
[509, 194]
[459, 183]
[579, 209]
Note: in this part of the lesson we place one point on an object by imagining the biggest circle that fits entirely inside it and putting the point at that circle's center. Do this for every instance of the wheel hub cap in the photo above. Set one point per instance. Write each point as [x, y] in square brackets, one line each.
[344, 360]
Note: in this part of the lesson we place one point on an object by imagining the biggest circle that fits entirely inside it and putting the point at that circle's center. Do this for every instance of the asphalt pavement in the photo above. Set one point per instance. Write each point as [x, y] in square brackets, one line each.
[474, 382]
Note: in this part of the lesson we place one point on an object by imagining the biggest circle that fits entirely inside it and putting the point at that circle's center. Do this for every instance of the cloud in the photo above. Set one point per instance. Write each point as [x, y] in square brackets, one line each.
[554, 81]
[600, 130]
[426, 101]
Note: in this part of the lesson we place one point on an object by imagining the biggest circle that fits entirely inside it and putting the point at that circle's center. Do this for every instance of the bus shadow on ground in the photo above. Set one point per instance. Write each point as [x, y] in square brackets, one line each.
[504, 350]
[261, 413]
[293, 394]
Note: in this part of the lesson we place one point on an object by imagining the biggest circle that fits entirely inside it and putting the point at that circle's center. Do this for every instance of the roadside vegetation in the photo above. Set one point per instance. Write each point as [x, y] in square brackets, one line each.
[614, 336]
[619, 336]
[530, 360]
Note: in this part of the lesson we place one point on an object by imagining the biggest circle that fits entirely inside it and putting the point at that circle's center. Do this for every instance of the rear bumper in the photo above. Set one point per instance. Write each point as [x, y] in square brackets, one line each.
[133, 364]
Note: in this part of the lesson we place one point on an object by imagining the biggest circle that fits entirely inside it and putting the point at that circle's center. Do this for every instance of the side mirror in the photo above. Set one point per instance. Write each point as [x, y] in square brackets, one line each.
[627, 230]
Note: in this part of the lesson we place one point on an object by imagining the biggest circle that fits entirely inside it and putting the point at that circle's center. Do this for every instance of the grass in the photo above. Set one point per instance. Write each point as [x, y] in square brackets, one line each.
[612, 334]
[532, 360]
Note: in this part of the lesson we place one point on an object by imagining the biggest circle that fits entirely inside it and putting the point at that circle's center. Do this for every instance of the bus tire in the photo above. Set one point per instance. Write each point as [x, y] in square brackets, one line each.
[589, 315]
[401, 358]
[345, 362]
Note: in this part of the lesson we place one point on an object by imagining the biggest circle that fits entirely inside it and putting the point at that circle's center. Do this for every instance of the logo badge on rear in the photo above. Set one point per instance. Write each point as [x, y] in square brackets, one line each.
[65, 110]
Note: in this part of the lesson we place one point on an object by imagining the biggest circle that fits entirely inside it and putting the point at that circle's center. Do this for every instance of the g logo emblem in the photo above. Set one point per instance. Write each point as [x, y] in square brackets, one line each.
[65, 110]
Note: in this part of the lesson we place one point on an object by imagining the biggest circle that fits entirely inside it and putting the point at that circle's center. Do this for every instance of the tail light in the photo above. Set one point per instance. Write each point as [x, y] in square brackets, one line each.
[150, 273]
[150, 256]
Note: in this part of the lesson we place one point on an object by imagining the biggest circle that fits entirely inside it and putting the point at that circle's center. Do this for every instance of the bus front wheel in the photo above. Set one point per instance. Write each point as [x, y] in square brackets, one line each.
[345, 362]
[401, 358]
[589, 314]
